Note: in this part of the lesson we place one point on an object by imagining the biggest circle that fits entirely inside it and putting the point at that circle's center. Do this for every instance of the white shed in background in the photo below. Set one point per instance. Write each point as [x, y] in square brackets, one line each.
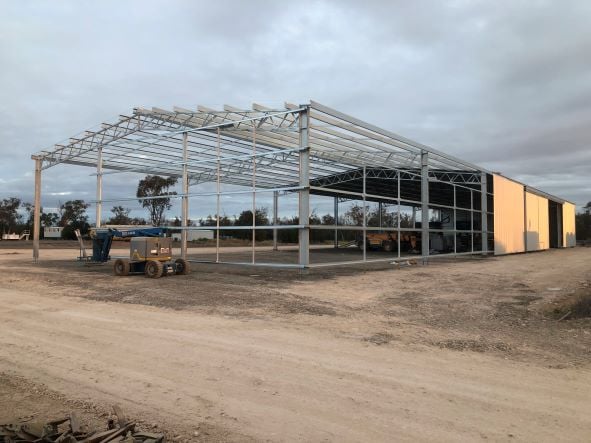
[52, 232]
[195, 235]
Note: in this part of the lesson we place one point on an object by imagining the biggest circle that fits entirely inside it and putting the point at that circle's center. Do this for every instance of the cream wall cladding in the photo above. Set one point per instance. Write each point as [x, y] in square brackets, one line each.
[509, 216]
[537, 222]
[568, 225]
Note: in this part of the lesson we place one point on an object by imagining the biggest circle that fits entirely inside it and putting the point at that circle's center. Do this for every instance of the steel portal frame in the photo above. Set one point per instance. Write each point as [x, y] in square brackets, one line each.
[304, 149]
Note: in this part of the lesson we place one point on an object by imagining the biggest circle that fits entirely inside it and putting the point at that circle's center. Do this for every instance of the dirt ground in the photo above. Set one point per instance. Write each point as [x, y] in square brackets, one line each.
[458, 349]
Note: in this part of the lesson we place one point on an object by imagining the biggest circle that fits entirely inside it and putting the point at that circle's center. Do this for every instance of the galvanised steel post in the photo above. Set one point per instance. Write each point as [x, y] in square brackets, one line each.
[398, 218]
[99, 186]
[304, 194]
[217, 201]
[185, 199]
[254, 192]
[364, 217]
[336, 222]
[483, 212]
[275, 218]
[37, 210]
[424, 204]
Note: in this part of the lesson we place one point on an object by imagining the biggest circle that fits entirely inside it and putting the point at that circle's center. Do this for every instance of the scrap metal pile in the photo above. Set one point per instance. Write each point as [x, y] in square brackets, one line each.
[70, 430]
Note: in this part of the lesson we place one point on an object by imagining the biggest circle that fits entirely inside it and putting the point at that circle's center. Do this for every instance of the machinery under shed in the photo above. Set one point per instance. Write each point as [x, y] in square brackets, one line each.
[388, 197]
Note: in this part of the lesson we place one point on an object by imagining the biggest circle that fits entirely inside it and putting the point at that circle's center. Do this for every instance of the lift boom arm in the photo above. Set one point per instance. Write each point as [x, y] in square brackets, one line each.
[102, 239]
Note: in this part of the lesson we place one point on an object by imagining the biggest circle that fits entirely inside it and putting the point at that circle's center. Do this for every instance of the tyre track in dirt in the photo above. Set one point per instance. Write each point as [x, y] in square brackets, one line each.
[257, 379]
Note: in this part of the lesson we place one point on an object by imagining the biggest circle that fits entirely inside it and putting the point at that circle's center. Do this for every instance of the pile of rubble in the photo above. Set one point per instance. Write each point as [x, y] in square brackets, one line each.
[70, 430]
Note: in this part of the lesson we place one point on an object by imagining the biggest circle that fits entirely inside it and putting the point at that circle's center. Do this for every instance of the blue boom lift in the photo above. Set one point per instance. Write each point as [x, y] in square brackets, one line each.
[150, 253]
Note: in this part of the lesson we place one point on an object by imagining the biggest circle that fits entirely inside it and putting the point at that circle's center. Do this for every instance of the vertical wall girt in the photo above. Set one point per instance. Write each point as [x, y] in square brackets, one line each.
[484, 210]
[185, 199]
[304, 194]
[99, 186]
[424, 203]
[37, 211]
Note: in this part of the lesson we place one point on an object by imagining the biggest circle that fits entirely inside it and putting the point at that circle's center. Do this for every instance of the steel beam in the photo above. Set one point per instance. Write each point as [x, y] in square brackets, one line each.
[393, 138]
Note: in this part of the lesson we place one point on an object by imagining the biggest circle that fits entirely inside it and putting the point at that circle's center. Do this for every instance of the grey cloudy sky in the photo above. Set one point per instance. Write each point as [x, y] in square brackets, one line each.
[506, 85]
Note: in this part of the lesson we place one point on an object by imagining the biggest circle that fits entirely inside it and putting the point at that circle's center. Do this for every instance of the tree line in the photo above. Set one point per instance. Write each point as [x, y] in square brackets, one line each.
[583, 223]
[153, 193]
[71, 215]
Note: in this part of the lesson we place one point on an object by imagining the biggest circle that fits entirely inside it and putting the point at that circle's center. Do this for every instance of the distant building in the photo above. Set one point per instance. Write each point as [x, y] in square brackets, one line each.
[14, 236]
[52, 231]
[194, 235]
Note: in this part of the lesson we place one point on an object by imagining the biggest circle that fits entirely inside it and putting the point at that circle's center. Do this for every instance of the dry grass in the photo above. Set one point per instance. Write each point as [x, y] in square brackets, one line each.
[575, 306]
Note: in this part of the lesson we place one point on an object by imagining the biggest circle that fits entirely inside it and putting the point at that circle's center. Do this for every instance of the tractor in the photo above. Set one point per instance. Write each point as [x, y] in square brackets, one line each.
[388, 241]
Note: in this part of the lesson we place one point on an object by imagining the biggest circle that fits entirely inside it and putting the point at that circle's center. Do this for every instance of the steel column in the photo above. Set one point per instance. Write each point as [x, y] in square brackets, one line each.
[99, 186]
[254, 192]
[275, 218]
[483, 212]
[424, 203]
[559, 224]
[524, 219]
[455, 221]
[218, 190]
[364, 218]
[304, 194]
[37, 210]
[185, 199]
[398, 221]
[336, 222]
[472, 217]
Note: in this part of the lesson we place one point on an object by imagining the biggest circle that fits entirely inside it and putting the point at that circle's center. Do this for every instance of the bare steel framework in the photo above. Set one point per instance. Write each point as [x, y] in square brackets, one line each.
[306, 150]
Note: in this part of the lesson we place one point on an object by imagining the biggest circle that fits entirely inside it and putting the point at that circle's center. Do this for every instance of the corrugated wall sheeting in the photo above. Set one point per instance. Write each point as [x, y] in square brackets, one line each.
[509, 216]
[568, 225]
[537, 222]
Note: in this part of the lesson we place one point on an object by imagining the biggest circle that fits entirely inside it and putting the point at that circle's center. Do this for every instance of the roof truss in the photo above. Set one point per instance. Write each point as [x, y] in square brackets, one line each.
[235, 141]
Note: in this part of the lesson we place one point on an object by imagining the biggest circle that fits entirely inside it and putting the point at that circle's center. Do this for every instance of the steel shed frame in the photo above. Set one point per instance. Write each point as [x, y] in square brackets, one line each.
[308, 149]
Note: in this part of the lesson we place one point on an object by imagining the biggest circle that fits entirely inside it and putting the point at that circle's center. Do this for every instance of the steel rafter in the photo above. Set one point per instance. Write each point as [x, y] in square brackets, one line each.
[150, 141]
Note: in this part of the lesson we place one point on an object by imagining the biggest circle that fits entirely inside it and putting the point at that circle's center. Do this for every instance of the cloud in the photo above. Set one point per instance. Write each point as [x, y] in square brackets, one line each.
[505, 85]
